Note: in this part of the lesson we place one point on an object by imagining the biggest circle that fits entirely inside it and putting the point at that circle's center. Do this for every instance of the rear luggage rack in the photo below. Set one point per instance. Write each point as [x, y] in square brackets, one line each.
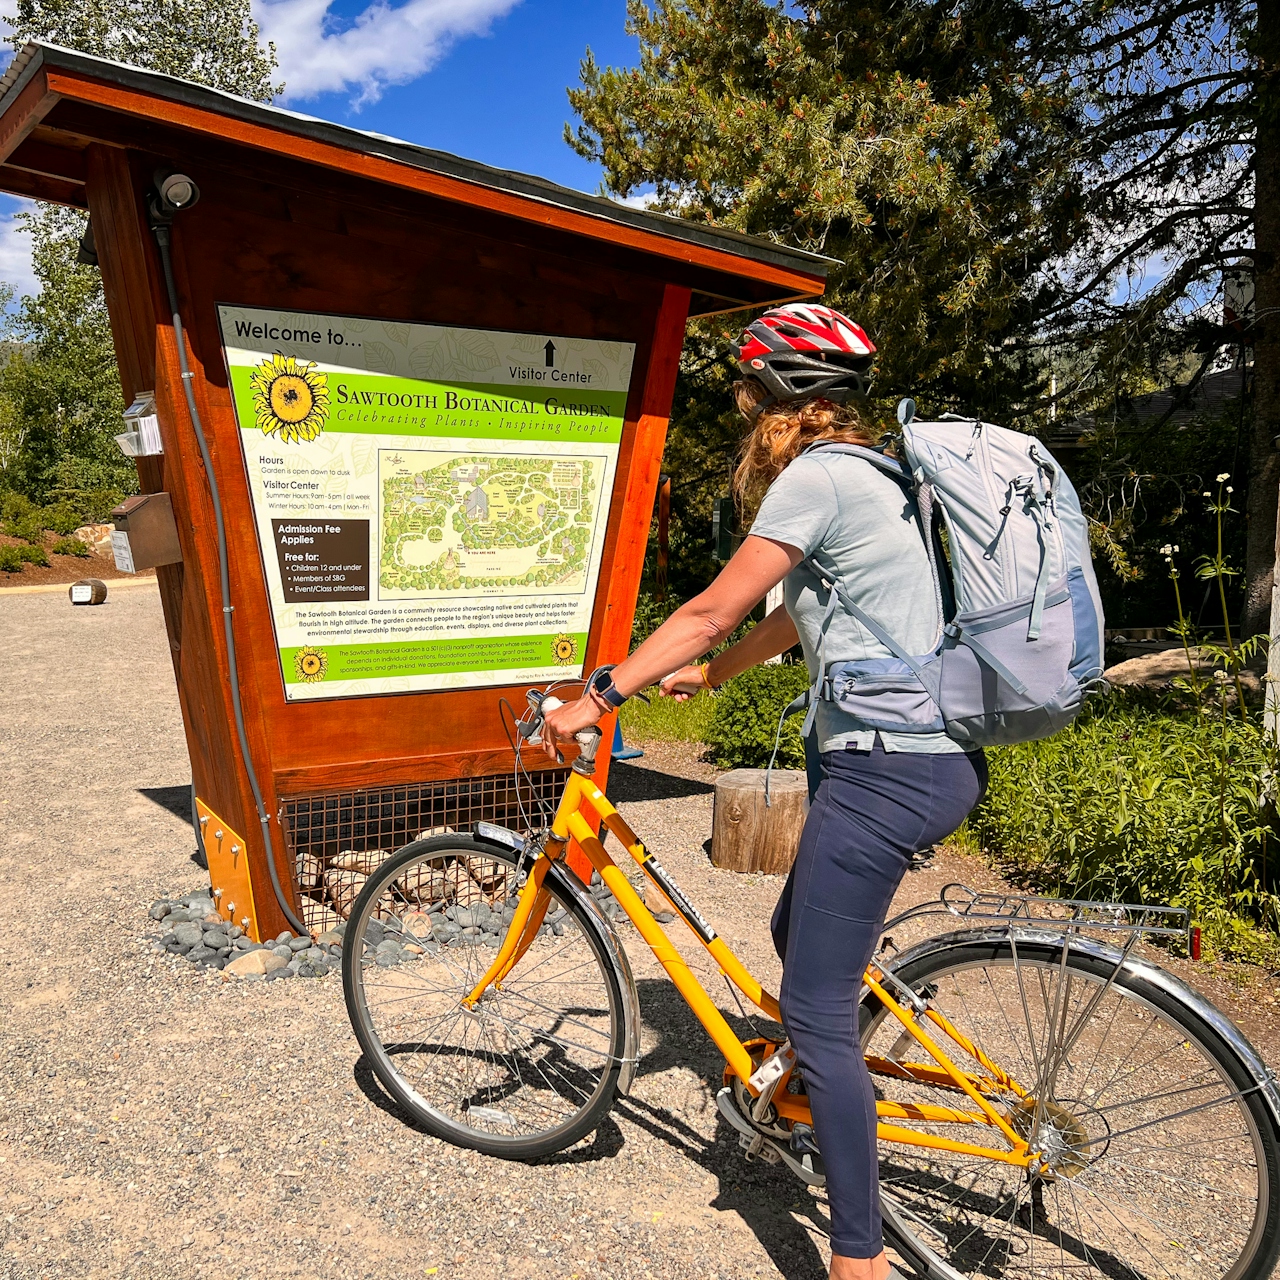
[1067, 913]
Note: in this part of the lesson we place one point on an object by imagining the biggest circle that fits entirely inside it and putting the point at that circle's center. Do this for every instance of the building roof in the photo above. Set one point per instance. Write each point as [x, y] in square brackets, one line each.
[36, 58]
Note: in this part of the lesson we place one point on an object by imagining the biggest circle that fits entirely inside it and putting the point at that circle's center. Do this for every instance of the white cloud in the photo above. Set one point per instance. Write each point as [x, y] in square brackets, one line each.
[642, 201]
[385, 45]
[15, 246]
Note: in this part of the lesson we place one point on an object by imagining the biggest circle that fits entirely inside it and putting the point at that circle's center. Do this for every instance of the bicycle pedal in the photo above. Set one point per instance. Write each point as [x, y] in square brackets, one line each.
[807, 1168]
[803, 1143]
[758, 1147]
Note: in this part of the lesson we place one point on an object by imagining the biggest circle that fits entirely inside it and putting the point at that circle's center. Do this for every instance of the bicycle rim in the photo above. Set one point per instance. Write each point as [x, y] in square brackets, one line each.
[1162, 1167]
[534, 1065]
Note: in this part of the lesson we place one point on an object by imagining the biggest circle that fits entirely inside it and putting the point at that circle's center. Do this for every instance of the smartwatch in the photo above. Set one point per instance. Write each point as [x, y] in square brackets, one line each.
[603, 685]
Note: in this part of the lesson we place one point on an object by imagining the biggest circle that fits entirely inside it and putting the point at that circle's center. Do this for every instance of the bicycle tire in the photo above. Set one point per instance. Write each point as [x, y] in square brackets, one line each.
[1224, 1189]
[521, 1075]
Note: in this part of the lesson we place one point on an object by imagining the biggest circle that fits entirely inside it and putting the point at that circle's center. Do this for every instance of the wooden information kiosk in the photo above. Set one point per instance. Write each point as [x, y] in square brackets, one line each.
[409, 420]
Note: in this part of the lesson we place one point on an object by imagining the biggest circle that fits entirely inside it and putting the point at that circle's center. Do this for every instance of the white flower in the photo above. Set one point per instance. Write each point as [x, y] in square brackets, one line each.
[1230, 489]
[1166, 550]
[1176, 548]
[1225, 475]
[1207, 494]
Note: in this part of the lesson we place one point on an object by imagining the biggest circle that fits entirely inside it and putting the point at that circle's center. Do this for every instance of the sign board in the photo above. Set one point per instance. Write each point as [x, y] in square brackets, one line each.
[430, 502]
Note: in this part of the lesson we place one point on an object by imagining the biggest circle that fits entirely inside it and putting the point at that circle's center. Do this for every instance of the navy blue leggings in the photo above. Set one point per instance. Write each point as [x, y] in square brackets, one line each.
[872, 810]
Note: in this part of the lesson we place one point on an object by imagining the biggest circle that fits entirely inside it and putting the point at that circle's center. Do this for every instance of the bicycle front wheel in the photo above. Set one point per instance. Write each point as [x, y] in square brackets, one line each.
[534, 1065]
[1161, 1154]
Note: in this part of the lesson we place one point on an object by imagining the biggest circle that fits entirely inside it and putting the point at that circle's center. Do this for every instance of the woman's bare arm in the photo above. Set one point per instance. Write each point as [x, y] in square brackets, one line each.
[696, 627]
[775, 635]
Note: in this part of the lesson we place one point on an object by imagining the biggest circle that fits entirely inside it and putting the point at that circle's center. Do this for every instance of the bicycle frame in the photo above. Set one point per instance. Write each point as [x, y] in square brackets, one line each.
[581, 793]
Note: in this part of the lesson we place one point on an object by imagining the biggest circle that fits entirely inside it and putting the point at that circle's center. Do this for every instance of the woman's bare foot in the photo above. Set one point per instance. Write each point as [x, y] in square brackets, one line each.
[876, 1268]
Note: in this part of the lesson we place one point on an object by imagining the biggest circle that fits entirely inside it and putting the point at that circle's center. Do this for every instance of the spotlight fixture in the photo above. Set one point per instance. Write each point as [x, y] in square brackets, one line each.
[173, 192]
[177, 191]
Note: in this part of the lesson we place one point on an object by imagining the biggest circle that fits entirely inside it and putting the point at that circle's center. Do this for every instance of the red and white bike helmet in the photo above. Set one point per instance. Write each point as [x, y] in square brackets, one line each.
[802, 351]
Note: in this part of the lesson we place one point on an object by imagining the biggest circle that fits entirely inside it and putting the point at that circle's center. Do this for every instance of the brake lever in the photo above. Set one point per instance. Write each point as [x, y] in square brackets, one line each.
[531, 730]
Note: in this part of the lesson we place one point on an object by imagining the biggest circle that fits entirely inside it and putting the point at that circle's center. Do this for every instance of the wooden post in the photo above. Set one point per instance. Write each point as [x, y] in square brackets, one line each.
[747, 835]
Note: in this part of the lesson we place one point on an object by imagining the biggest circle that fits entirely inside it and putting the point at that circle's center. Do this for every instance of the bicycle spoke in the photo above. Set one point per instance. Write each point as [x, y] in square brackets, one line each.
[1104, 1207]
[527, 1057]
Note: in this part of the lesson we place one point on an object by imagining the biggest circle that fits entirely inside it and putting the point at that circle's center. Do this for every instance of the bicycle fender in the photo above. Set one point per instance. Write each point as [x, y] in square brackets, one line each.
[564, 879]
[1174, 987]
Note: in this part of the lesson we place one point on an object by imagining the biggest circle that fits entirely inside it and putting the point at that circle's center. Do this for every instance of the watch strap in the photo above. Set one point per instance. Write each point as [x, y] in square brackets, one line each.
[607, 690]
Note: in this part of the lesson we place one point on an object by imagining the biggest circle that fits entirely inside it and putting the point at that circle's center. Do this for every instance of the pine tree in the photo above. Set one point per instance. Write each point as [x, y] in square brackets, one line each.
[930, 149]
[1180, 133]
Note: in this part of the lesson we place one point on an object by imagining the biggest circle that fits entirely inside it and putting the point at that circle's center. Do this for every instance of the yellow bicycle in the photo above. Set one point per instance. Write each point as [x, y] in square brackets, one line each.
[1049, 1104]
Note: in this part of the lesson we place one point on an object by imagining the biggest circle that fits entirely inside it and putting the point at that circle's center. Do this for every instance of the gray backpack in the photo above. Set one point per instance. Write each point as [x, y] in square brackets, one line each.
[1021, 641]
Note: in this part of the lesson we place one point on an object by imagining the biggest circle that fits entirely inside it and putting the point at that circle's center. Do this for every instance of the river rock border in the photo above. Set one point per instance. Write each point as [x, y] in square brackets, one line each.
[204, 938]
[201, 936]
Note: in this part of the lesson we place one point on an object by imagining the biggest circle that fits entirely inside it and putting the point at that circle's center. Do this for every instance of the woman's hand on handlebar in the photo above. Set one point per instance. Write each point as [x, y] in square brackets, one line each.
[559, 726]
[683, 684]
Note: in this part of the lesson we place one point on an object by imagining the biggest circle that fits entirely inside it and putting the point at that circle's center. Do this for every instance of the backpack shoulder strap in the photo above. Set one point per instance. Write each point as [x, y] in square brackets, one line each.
[894, 467]
[923, 495]
[833, 584]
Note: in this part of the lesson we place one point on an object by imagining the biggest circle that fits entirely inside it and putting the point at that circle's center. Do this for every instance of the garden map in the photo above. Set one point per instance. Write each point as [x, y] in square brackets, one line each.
[430, 503]
[454, 525]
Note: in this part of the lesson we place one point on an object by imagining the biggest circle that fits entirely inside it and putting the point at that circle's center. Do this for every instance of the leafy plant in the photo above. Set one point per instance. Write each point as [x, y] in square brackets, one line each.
[1131, 804]
[12, 559]
[666, 720]
[70, 547]
[745, 722]
[22, 518]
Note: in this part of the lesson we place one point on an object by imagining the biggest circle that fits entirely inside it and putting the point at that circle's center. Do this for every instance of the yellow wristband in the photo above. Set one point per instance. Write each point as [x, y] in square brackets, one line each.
[706, 676]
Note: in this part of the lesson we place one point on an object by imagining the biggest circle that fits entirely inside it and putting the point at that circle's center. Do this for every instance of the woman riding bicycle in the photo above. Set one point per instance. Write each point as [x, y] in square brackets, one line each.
[883, 795]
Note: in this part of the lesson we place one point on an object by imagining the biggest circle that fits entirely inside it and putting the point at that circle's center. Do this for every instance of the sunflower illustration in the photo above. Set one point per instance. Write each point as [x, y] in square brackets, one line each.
[310, 664]
[564, 649]
[290, 397]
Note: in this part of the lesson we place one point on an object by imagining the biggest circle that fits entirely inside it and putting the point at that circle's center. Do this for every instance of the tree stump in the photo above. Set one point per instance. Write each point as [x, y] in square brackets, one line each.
[748, 836]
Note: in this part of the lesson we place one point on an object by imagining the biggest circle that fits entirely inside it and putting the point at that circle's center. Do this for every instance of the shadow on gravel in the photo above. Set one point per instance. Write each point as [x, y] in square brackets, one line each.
[769, 1199]
[176, 799]
[630, 782]
[605, 1142]
[765, 1197]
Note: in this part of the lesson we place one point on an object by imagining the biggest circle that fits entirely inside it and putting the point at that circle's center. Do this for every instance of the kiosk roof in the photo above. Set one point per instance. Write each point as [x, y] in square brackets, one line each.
[43, 134]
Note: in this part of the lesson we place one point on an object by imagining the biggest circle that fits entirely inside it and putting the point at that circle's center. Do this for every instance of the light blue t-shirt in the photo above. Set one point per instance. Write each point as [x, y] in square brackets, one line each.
[865, 530]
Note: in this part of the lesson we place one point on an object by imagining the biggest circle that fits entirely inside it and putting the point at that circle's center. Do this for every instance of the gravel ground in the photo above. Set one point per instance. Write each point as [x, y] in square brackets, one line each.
[158, 1121]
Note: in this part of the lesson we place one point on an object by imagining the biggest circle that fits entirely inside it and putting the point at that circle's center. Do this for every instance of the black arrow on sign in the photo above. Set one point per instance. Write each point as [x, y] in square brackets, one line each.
[550, 349]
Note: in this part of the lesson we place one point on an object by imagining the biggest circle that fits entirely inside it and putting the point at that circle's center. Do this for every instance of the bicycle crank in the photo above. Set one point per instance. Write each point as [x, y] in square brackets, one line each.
[759, 1146]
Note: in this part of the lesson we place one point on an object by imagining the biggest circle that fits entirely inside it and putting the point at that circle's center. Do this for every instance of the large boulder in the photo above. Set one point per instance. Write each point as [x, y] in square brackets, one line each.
[1159, 670]
[97, 537]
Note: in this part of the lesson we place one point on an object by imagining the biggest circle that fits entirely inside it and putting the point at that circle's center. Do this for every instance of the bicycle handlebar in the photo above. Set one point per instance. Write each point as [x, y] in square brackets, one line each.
[530, 730]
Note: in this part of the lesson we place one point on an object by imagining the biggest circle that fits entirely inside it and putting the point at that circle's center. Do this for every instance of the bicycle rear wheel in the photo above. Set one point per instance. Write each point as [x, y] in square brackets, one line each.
[1163, 1153]
[534, 1065]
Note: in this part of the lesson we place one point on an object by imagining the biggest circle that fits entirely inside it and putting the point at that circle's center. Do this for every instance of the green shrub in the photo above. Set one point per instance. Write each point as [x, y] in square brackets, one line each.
[22, 518]
[745, 719]
[62, 517]
[1141, 804]
[666, 720]
[12, 559]
[70, 547]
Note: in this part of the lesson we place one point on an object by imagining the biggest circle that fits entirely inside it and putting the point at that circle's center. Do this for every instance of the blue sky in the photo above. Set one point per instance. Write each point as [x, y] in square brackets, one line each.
[484, 79]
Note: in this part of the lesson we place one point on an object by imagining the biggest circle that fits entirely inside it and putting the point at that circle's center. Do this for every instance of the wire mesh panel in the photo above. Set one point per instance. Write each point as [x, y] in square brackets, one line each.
[335, 840]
